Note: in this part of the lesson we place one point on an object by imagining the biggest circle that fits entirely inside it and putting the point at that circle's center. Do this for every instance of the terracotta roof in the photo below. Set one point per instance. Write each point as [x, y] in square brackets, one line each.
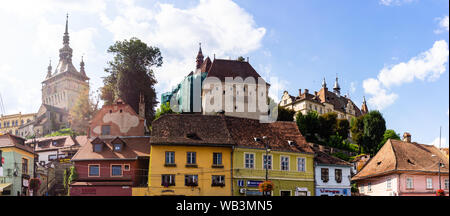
[323, 158]
[197, 129]
[9, 140]
[134, 147]
[190, 129]
[278, 134]
[47, 143]
[222, 68]
[399, 156]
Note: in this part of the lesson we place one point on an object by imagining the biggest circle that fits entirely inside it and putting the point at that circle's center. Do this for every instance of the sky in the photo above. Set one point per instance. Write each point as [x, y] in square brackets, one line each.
[393, 52]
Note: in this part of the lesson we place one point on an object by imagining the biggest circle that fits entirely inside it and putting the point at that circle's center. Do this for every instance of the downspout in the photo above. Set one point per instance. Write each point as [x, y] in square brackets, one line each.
[231, 171]
[398, 185]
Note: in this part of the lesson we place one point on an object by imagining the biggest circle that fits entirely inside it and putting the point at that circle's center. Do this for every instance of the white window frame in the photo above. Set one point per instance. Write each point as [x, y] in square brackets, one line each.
[389, 184]
[253, 160]
[271, 161]
[304, 164]
[429, 184]
[410, 183]
[288, 162]
[369, 186]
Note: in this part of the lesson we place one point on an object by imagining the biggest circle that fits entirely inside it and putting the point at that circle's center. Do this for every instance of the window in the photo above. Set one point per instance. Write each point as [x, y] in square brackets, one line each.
[191, 180]
[94, 170]
[24, 166]
[116, 170]
[389, 184]
[361, 188]
[249, 160]
[324, 174]
[217, 159]
[126, 167]
[106, 129]
[369, 187]
[285, 193]
[118, 147]
[170, 157]
[167, 180]
[284, 163]
[52, 157]
[409, 183]
[301, 164]
[267, 161]
[429, 183]
[191, 158]
[338, 175]
[446, 184]
[98, 147]
[218, 180]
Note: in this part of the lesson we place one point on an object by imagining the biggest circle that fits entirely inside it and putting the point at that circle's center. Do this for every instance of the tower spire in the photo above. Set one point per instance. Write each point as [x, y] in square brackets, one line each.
[337, 88]
[66, 33]
[200, 57]
[49, 69]
[82, 67]
[324, 83]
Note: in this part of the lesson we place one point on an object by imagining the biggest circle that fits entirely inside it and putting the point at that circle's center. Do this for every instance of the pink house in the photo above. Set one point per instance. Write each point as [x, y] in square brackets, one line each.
[404, 168]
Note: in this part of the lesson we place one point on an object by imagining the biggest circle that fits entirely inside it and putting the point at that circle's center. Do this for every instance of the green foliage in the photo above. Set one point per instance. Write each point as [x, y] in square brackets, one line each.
[342, 128]
[131, 74]
[72, 176]
[328, 123]
[82, 111]
[357, 129]
[341, 156]
[63, 132]
[388, 134]
[163, 109]
[285, 114]
[308, 125]
[374, 128]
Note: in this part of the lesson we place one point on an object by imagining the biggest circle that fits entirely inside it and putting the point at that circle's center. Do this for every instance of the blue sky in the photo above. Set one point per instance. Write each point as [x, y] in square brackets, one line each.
[394, 52]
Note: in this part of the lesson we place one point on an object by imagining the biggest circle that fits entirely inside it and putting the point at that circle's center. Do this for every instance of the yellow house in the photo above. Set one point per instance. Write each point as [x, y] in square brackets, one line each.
[11, 123]
[191, 155]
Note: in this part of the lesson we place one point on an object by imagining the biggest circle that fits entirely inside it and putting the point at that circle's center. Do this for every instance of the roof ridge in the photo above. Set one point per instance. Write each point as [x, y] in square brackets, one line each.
[395, 154]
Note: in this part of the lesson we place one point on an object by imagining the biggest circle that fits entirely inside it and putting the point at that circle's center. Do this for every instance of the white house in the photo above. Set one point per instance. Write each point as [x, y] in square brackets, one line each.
[332, 175]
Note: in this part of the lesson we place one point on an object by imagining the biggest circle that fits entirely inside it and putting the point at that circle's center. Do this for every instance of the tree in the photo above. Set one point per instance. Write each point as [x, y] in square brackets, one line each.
[63, 132]
[328, 122]
[374, 128]
[131, 74]
[343, 127]
[308, 125]
[357, 130]
[82, 112]
[388, 134]
[163, 110]
[285, 114]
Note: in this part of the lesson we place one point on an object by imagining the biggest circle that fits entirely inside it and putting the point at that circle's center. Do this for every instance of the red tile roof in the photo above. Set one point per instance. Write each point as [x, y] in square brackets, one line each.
[9, 140]
[134, 147]
[399, 156]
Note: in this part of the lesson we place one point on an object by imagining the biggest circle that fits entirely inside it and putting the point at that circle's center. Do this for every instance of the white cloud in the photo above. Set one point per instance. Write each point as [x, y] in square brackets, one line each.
[221, 26]
[353, 87]
[443, 25]
[435, 142]
[394, 2]
[428, 65]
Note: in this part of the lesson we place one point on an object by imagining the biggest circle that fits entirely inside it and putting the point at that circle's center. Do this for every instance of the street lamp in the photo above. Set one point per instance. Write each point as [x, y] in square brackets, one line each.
[439, 170]
[266, 161]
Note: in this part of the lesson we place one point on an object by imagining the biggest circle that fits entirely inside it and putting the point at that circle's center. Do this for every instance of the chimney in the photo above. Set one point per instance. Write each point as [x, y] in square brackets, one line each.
[299, 92]
[315, 93]
[407, 137]
[306, 91]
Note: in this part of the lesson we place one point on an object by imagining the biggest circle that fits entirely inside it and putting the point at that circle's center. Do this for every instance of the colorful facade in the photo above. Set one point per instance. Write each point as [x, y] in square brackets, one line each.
[404, 168]
[11, 123]
[17, 166]
[115, 157]
[190, 156]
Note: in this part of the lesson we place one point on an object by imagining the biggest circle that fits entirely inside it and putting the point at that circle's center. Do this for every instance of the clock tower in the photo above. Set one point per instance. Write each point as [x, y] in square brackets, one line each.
[62, 87]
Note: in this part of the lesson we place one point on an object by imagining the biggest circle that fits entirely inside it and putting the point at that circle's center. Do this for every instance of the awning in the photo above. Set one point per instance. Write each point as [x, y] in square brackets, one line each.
[4, 185]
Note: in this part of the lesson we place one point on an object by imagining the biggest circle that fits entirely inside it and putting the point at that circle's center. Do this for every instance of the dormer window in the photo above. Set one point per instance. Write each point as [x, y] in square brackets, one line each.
[98, 147]
[117, 147]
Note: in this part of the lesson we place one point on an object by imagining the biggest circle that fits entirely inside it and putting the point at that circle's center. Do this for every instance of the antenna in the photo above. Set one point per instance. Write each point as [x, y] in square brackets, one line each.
[2, 106]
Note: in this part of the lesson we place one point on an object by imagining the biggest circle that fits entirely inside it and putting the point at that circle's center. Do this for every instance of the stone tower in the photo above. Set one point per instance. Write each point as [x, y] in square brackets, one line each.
[62, 87]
